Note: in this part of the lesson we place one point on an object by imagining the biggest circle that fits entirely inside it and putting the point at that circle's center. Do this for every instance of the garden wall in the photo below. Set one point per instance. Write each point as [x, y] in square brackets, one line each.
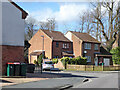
[59, 65]
[92, 68]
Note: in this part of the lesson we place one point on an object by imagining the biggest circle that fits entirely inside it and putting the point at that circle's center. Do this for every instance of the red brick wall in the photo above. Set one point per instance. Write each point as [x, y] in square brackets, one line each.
[90, 52]
[11, 54]
[37, 44]
[57, 51]
[78, 48]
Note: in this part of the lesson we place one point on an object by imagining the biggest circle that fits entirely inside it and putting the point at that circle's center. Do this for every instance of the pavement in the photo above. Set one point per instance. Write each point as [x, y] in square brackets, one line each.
[14, 81]
[50, 83]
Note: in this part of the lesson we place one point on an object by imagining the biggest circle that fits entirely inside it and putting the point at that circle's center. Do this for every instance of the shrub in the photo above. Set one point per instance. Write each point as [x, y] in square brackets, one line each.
[40, 60]
[83, 60]
[55, 60]
[116, 55]
[77, 61]
[65, 61]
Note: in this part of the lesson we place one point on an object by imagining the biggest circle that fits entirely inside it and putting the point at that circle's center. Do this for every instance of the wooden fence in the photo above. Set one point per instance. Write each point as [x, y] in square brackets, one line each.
[92, 68]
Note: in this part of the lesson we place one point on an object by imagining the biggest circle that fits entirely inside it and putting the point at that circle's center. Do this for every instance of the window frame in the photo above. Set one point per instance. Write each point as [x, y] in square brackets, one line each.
[87, 46]
[96, 48]
[57, 44]
[65, 45]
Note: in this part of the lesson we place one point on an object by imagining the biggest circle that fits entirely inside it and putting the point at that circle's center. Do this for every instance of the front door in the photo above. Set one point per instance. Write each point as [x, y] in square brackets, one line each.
[106, 61]
[96, 61]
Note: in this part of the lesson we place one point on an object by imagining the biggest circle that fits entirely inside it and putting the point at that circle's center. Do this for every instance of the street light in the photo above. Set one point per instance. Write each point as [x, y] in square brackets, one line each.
[42, 52]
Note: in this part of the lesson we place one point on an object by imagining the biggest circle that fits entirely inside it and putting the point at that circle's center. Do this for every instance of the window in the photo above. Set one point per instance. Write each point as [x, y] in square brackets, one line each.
[57, 44]
[56, 56]
[96, 47]
[87, 46]
[88, 58]
[65, 45]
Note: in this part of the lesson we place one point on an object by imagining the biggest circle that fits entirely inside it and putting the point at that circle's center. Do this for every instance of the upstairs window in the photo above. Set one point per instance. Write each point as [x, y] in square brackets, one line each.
[65, 45]
[96, 47]
[87, 45]
[57, 44]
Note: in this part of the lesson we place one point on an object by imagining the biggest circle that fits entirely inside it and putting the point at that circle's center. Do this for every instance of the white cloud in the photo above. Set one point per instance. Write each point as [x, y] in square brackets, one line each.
[66, 13]
[69, 12]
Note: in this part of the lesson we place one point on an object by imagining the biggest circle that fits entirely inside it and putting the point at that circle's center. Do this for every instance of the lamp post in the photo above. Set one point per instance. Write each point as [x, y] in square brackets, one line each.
[42, 53]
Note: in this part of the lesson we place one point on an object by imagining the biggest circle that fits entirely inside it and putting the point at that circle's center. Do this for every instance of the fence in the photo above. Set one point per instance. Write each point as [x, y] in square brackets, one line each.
[92, 68]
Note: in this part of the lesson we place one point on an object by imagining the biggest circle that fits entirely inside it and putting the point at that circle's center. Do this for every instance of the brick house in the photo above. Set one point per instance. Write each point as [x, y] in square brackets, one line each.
[87, 46]
[53, 43]
[12, 40]
[84, 45]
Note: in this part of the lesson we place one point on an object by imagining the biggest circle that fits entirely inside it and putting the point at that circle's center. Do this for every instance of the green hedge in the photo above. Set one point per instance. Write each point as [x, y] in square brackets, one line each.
[74, 61]
[55, 60]
[116, 55]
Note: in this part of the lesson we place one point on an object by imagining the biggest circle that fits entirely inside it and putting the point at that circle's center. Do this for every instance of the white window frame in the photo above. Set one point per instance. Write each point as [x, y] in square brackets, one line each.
[65, 45]
[95, 46]
[87, 45]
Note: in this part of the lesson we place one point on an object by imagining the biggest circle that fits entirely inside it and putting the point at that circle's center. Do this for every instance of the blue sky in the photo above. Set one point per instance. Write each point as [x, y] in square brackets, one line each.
[66, 14]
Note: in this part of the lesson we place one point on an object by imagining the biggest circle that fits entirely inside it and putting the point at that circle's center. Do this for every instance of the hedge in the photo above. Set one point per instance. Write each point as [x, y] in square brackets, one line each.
[74, 61]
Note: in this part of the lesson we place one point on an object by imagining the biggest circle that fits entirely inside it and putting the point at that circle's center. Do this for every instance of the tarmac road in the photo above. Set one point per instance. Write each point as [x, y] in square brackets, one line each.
[96, 80]
[110, 80]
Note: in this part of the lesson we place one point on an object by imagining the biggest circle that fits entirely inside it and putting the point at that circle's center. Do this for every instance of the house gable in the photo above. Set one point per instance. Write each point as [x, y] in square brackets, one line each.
[24, 13]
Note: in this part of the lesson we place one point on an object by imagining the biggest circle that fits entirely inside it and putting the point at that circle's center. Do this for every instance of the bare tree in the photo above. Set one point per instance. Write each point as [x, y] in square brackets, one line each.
[110, 33]
[30, 24]
[82, 22]
[50, 24]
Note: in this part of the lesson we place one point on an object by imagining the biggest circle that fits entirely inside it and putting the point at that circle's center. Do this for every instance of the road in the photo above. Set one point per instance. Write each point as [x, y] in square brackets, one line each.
[109, 80]
[96, 80]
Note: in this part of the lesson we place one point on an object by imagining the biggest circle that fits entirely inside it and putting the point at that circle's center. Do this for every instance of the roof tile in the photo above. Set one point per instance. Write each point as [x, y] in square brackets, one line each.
[56, 35]
[85, 37]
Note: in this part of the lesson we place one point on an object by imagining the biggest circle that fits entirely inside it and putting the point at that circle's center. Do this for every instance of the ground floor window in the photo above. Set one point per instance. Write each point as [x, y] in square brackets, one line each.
[56, 56]
[88, 58]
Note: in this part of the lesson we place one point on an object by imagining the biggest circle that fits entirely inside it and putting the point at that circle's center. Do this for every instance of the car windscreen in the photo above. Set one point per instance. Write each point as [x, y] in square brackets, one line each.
[48, 63]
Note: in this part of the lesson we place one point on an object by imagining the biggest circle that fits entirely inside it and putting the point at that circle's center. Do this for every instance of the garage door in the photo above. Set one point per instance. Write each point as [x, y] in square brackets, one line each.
[106, 61]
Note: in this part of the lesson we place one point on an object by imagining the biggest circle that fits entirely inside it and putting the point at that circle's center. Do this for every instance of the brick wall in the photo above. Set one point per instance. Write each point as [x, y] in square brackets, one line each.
[59, 65]
[37, 44]
[57, 51]
[11, 54]
[90, 52]
[78, 48]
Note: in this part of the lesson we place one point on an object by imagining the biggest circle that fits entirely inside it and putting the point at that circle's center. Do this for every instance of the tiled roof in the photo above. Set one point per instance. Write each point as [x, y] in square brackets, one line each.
[56, 35]
[85, 37]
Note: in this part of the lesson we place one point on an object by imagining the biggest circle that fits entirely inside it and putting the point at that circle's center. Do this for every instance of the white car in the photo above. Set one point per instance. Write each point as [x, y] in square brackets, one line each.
[47, 65]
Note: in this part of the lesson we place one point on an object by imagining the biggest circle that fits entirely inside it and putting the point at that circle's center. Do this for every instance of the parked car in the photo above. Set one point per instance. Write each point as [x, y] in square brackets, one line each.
[47, 65]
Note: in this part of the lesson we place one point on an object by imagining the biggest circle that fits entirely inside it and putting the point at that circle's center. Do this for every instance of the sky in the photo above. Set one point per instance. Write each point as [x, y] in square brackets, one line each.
[65, 14]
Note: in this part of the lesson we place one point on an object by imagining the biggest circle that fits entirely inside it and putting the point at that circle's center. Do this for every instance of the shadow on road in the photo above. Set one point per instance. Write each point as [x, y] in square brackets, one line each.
[68, 75]
[55, 75]
[5, 81]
